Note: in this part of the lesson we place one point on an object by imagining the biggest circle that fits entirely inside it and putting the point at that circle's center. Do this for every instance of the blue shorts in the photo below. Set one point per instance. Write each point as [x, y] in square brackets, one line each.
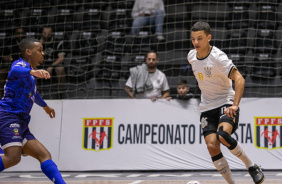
[14, 130]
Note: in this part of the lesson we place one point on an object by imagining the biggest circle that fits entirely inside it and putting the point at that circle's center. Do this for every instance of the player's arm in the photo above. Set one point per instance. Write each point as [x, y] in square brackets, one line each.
[39, 101]
[50, 111]
[20, 71]
[239, 89]
[129, 91]
[40, 73]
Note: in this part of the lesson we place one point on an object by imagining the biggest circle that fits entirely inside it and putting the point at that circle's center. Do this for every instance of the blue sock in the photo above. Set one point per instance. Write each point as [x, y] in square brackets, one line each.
[50, 169]
[1, 165]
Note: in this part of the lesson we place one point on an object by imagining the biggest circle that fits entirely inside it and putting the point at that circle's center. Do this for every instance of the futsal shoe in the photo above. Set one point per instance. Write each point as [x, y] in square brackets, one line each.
[256, 174]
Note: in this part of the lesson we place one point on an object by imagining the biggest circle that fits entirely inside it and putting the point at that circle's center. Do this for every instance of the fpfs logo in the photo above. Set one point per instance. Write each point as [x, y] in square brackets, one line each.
[268, 132]
[97, 133]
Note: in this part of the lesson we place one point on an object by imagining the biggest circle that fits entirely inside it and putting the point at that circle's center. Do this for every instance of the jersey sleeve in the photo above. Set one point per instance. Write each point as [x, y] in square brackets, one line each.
[19, 70]
[165, 86]
[129, 82]
[39, 101]
[190, 55]
[225, 65]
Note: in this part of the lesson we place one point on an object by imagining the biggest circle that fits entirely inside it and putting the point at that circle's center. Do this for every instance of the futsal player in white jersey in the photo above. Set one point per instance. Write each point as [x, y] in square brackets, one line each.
[219, 102]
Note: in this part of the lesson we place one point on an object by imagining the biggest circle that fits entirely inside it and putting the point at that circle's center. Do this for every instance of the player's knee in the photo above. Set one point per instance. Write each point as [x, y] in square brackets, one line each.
[45, 156]
[12, 160]
[226, 139]
[213, 148]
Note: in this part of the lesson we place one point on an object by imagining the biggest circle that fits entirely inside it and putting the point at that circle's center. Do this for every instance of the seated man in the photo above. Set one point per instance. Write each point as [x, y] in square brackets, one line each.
[146, 81]
[5, 64]
[54, 56]
[148, 12]
[18, 35]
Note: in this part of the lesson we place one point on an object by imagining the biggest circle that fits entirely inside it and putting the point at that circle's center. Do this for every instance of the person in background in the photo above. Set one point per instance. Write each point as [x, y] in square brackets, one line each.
[54, 56]
[182, 91]
[5, 64]
[146, 81]
[18, 35]
[148, 12]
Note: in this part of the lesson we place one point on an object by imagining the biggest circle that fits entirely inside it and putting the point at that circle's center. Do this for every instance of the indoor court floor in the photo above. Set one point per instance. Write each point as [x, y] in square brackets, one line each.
[174, 177]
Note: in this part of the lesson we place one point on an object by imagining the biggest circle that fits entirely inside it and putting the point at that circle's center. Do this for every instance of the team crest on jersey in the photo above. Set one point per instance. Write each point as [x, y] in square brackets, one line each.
[268, 132]
[208, 71]
[97, 134]
[204, 122]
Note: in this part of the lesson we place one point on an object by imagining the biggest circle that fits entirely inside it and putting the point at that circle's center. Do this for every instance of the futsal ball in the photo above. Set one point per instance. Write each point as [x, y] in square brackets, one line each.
[193, 182]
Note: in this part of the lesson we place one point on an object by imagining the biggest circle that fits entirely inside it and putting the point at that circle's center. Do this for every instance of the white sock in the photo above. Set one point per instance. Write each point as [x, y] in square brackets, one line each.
[239, 152]
[223, 168]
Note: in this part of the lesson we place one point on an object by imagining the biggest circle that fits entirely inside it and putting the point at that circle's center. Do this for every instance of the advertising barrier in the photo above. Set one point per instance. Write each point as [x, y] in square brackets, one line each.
[127, 134]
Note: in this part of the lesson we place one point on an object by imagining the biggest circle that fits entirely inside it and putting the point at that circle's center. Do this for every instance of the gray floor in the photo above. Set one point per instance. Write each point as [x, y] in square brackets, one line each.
[205, 177]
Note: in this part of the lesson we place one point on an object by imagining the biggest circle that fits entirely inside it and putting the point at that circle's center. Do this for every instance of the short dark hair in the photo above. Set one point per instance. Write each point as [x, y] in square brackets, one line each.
[47, 27]
[153, 53]
[15, 29]
[182, 82]
[201, 26]
[27, 43]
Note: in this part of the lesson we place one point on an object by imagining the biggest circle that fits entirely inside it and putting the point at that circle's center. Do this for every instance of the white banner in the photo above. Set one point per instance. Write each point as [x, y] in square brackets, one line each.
[126, 134]
[161, 135]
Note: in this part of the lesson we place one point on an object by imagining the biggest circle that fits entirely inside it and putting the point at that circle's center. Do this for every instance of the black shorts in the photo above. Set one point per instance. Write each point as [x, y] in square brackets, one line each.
[211, 119]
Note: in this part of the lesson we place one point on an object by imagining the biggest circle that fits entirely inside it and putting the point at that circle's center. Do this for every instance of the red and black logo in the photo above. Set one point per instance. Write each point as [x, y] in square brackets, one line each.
[97, 133]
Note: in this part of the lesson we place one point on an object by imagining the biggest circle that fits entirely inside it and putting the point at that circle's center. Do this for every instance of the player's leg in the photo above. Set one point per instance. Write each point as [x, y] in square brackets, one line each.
[37, 150]
[10, 139]
[224, 136]
[209, 122]
[226, 127]
[218, 159]
[12, 156]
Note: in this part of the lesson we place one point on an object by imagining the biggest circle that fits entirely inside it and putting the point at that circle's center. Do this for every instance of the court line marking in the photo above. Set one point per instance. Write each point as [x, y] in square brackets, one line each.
[136, 182]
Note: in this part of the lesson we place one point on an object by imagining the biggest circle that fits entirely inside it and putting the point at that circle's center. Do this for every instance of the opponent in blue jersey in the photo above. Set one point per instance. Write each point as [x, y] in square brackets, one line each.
[19, 96]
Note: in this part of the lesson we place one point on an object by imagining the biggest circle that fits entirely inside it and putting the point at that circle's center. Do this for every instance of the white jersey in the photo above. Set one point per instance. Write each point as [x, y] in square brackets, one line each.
[159, 82]
[212, 74]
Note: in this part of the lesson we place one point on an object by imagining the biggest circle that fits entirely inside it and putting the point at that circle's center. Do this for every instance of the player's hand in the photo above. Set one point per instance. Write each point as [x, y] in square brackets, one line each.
[40, 73]
[50, 111]
[231, 111]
